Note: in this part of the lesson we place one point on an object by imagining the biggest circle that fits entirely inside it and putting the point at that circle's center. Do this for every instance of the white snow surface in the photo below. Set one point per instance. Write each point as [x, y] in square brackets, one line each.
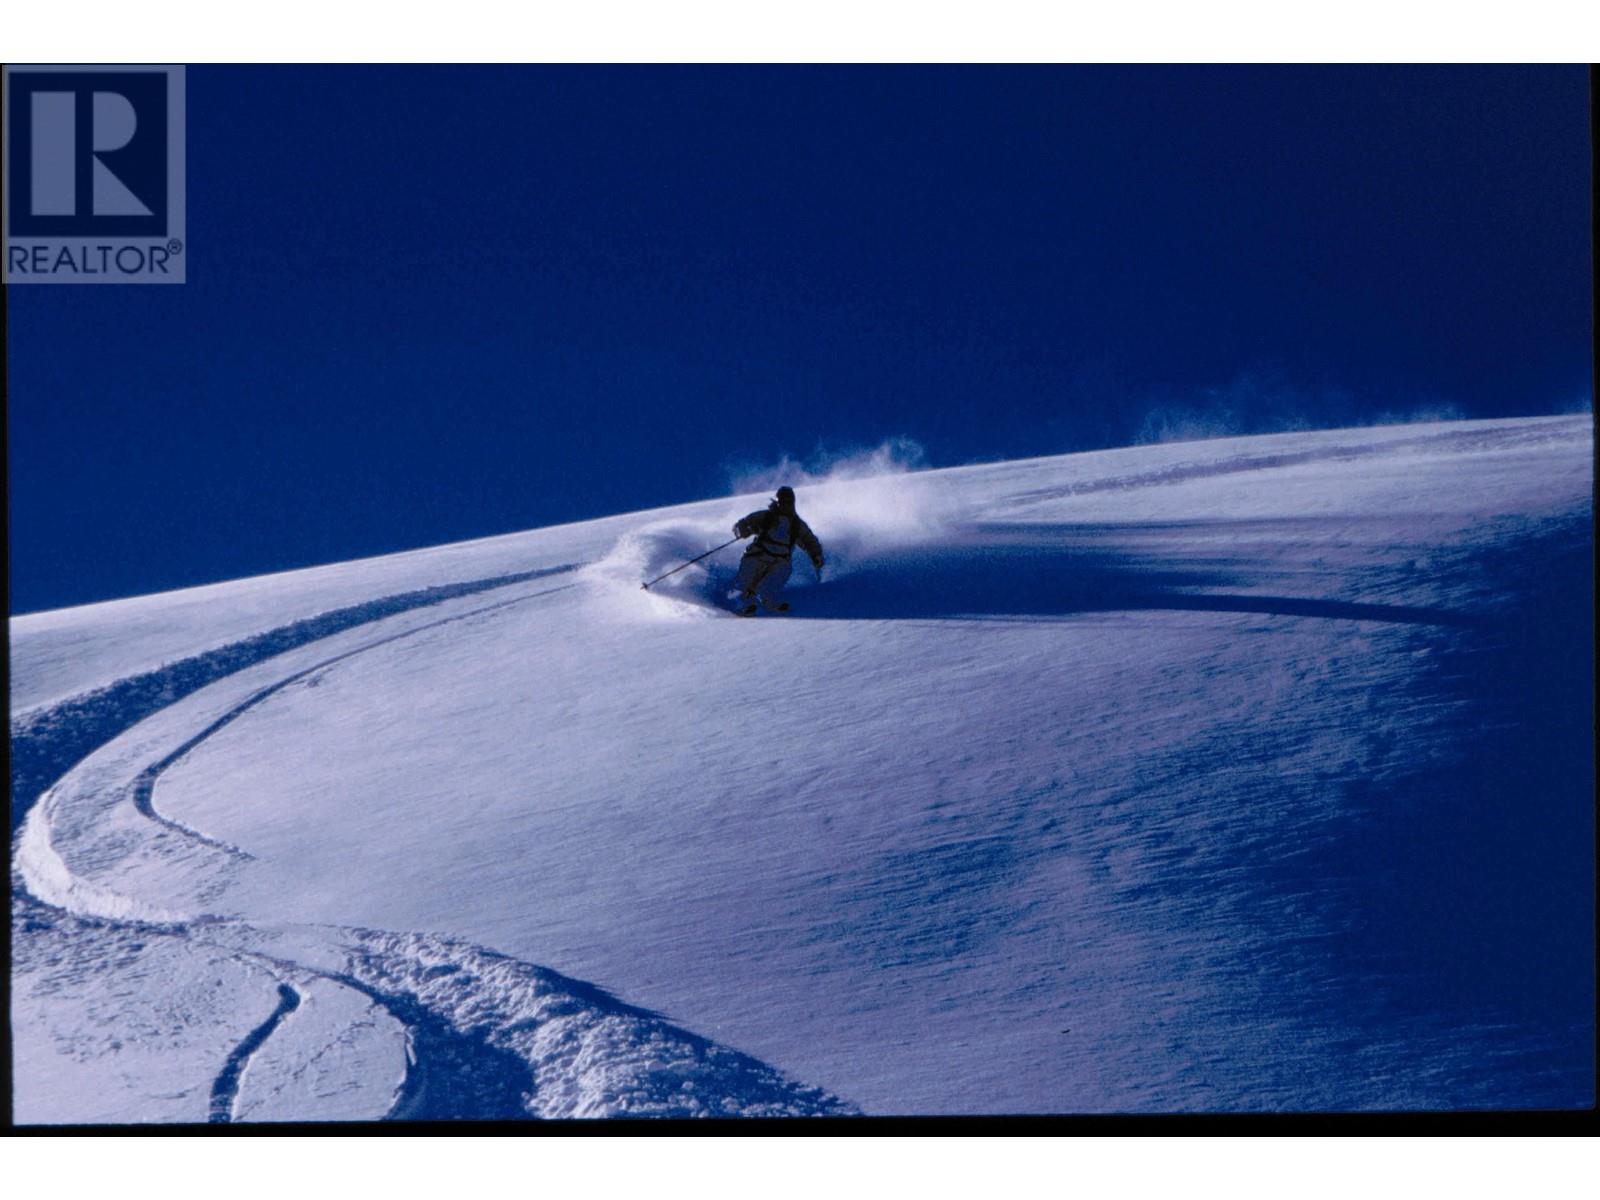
[1079, 784]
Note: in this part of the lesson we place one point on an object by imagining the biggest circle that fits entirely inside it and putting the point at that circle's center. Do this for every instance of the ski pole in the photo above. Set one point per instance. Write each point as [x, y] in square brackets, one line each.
[690, 563]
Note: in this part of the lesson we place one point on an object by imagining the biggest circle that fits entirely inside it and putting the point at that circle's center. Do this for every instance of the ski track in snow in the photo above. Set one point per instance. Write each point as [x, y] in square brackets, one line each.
[46, 742]
[226, 1086]
[533, 1043]
[144, 787]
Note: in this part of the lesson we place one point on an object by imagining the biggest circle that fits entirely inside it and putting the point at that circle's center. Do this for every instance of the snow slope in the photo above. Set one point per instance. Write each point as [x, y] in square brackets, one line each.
[1247, 774]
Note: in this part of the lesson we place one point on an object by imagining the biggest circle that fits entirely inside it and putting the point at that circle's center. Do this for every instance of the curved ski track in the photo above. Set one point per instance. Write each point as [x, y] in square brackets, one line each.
[552, 1046]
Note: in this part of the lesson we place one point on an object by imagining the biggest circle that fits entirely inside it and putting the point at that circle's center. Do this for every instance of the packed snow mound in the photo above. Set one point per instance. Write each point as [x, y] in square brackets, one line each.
[1247, 774]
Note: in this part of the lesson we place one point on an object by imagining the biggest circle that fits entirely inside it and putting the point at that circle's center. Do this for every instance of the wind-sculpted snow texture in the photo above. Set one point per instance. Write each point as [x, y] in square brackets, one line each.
[1243, 775]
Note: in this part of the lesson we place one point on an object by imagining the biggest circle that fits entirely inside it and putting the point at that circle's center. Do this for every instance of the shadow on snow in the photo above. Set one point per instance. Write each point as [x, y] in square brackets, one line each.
[1045, 571]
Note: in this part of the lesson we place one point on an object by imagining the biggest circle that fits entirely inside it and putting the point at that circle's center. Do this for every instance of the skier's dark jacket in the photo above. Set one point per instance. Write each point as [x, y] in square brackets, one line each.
[776, 540]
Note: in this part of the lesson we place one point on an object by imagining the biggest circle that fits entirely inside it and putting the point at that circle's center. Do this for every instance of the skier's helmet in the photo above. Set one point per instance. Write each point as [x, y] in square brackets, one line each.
[786, 497]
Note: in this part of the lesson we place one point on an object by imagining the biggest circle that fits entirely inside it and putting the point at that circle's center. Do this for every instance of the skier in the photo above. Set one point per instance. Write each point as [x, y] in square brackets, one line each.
[765, 567]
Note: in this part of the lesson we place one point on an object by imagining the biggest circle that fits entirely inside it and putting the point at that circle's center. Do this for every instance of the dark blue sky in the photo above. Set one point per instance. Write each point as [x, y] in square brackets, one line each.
[432, 304]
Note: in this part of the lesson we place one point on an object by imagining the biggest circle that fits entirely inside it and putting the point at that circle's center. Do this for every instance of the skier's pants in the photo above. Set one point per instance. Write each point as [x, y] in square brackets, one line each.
[761, 575]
